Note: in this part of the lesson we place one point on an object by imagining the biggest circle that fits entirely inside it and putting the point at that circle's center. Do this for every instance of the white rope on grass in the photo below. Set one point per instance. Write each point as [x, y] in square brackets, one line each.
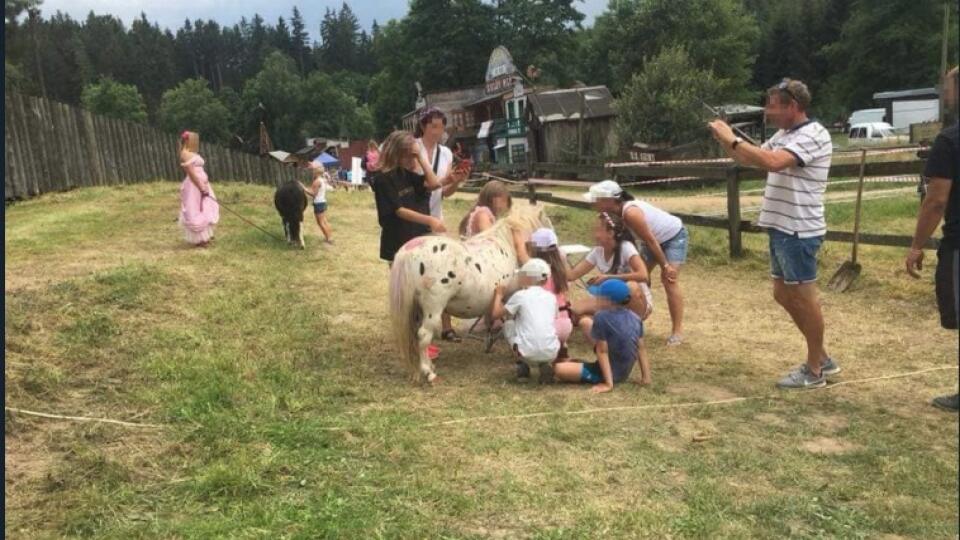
[82, 418]
[681, 405]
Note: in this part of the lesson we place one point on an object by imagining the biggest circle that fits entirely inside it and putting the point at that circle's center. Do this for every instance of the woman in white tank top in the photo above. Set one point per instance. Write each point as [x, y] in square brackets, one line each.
[661, 236]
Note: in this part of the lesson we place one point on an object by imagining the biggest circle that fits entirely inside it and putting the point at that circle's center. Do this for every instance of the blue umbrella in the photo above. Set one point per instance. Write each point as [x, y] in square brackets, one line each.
[327, 160]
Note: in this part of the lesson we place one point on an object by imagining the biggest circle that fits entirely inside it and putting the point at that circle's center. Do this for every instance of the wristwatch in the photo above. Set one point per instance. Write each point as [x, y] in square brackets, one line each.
[736, 141]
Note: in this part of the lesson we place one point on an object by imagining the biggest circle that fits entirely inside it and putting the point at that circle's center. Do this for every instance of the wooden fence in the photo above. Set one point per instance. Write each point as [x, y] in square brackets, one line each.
[714, 172]
[50, 146]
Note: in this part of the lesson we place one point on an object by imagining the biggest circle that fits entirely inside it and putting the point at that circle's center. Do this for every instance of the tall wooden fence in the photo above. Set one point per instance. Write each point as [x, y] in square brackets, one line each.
[50, 146]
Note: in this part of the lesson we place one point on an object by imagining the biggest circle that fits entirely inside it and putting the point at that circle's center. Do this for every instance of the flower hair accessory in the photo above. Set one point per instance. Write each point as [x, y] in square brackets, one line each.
[608, 220]
[185, 135]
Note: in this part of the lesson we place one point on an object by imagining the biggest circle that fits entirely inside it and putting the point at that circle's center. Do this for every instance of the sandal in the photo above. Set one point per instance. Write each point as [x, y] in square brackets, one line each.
[451, 335]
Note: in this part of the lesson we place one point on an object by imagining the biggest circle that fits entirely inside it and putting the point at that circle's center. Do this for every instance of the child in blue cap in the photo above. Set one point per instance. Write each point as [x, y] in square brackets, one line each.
[618, 334]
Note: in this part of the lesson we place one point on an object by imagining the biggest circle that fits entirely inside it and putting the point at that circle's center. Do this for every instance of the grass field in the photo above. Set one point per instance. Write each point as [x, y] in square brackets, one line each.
[284, 415]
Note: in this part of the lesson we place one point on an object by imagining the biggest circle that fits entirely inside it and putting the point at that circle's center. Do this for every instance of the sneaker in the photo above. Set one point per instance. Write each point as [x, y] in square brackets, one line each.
[801, 379]
[829, 367]
[523, 371]
[948, 403]
[674, 340]
[546, 373]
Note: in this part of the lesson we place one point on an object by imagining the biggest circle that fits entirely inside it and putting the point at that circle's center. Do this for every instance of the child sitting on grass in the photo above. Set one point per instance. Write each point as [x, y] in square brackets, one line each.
[615, 256]
[618, 336]
[531, 311]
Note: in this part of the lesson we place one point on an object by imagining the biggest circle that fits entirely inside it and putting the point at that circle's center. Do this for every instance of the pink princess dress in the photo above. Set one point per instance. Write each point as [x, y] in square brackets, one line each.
[198, 214]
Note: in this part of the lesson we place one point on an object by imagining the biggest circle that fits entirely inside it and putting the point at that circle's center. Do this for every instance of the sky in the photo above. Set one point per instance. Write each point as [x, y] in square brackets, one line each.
[172, 13]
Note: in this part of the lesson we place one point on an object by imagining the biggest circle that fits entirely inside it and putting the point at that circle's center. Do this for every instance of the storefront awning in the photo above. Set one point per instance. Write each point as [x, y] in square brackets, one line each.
[484, 129]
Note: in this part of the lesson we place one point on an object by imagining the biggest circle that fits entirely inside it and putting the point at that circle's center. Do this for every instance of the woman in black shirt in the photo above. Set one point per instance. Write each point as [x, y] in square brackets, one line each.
[402, 195]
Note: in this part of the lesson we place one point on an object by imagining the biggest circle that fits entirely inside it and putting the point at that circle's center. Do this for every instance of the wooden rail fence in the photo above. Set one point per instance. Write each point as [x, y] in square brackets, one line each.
[731, 175]
[50, 146]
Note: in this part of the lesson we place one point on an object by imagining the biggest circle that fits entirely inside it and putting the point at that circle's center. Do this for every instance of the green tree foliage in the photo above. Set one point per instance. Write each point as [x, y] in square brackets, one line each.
[153, 69]
[13, 78]
[888, 45]
[844, 49]
[542, 33]
[445, 43]
[193, 105]
[113, 99]
[717, 34]
[329, 111]
[275, 96]
[340, 33]
[300, 42]
[661, 104]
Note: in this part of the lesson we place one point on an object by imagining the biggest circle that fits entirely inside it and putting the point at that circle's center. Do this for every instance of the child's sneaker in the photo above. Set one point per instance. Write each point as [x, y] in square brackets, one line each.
[546, 373]
[523, 371]
[948, 403]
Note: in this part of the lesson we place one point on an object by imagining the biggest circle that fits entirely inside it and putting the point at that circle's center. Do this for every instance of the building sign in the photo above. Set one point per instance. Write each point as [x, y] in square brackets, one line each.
[500, 71]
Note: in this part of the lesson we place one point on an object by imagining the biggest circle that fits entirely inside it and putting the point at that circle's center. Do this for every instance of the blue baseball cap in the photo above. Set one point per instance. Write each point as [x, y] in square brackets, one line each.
[615, 290]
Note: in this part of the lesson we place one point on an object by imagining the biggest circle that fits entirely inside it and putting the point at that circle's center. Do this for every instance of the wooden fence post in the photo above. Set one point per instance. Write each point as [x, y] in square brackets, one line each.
[733, 211]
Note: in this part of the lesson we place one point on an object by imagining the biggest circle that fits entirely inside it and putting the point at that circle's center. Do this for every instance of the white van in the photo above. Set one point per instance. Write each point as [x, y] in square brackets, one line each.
[864, 116]
[873, 133]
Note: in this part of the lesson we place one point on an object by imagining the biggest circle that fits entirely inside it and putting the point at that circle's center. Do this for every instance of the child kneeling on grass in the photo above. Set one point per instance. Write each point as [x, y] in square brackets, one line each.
[531, 311]
[618, 336]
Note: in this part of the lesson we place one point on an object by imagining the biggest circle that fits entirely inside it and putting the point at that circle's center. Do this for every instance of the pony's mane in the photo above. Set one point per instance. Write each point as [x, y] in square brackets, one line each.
[522, 217]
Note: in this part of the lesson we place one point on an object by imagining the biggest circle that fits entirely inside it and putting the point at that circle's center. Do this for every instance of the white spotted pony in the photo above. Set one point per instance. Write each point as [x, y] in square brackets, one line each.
[433, 274]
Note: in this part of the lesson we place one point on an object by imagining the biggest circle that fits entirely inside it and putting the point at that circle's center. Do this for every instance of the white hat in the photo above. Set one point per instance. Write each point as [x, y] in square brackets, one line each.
[544, 238]
[608, 189]
[536, 268]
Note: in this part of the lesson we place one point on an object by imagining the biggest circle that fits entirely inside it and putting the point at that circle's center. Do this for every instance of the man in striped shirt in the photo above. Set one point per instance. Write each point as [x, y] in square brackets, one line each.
[797, 161]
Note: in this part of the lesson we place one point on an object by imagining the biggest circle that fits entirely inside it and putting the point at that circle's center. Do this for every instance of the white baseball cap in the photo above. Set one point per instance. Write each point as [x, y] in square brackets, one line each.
[544, 238]
[608, 189]
[536, 268]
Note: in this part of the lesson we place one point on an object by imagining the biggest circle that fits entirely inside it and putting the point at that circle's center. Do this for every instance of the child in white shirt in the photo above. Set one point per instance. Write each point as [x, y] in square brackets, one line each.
[530, 328]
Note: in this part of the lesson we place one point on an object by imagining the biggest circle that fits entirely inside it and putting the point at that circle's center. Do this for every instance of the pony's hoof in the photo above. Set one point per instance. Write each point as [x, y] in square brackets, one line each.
[432, 378]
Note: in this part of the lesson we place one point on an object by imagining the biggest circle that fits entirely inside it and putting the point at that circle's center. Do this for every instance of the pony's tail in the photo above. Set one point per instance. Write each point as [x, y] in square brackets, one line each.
[405, 312]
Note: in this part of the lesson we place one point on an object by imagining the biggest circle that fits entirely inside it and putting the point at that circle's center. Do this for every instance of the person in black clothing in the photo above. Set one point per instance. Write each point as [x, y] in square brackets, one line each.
[942, 200]
[403, 196]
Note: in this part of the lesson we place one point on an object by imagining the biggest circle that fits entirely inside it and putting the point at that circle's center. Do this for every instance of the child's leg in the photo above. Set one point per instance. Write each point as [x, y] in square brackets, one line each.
[577, 372]
[586, 325]
[644, 361]
[325, 226]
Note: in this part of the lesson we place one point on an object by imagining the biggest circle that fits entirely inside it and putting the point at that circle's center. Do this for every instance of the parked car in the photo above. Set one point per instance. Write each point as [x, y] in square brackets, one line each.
[865, 116]
[874, 133]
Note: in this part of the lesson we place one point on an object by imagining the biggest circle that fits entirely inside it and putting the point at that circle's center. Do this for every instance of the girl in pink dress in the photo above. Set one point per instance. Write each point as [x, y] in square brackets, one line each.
[199, 211]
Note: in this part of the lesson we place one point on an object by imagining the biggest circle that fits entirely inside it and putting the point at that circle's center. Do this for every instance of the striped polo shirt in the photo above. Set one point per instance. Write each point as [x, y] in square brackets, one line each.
[793, 197]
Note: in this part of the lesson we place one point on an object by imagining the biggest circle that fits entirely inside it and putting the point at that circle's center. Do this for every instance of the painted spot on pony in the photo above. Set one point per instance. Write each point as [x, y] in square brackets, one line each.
[414, 243]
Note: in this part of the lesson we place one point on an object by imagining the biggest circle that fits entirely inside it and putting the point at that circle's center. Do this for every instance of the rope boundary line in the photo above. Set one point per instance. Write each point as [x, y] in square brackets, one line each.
[680, 405]
[82, 418]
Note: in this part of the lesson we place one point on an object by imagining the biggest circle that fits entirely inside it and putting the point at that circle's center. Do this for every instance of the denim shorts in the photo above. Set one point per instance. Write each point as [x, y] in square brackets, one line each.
[793, 259]
[319, 207]
[675, 249]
